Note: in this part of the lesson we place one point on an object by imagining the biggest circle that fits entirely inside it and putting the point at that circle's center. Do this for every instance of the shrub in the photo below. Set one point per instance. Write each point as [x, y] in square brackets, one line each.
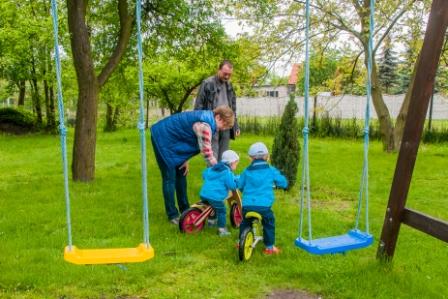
[286, 147]
[17, 121]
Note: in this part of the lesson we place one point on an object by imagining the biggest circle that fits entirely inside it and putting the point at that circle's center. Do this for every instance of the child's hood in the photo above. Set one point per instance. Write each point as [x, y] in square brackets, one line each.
[217, 170]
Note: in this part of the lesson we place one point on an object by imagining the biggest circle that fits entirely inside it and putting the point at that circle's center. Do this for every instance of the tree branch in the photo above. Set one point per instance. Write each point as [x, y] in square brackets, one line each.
[341, 26]
[187, 94]
[391, 25]
[126, 24]
[167, 100]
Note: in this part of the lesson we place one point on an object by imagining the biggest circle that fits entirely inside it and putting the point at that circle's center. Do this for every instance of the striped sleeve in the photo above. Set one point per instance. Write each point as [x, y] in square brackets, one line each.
[204, 135]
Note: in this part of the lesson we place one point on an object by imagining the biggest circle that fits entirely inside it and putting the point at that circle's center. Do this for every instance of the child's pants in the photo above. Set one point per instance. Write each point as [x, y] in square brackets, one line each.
[220, 209]
[268, 222]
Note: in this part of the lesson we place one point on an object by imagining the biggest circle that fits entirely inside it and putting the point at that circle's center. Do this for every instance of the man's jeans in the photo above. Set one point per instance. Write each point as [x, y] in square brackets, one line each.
[220, 143]
[172, 180]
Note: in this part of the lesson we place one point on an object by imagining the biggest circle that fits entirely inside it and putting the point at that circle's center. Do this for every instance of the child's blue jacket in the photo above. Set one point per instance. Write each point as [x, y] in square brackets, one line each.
[257, 182]
[218, 181]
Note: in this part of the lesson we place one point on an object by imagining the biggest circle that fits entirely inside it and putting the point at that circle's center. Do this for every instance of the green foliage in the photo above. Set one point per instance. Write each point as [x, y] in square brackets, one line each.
[325, 126]
[412, 40]
[259, 126]
[441, 83]
[173, 74]
[286, 148]
[245, 54]
[332, 72]
[388, 68]
[322, 69]
[329, 127]
[349, 76]
[25, 32]
[120, 95]
[172, 80]
[276, 80]
[437, 134]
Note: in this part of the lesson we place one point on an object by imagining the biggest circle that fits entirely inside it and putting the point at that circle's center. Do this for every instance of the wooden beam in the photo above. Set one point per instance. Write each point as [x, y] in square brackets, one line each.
[421, 93]
[427, 224]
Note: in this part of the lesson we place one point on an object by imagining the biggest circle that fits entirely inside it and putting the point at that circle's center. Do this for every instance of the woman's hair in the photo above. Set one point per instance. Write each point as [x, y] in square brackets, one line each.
[226, 114]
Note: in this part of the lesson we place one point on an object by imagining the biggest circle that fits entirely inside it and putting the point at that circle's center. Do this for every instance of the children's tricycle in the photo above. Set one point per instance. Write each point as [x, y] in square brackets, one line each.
[250, 236]
[193, 219]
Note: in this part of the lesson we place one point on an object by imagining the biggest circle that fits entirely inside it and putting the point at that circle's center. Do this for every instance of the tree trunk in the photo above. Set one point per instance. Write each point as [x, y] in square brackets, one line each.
[431, 109]
[83, 165]
[51, 124]
[386, 125]
[401, 118]
[52, 106]
[314, 119]
[112, 115]
[35, 90]
[48, 90]
[22, 90]
[147, 114]
[37, 108]
[116, 116]
[109, 118]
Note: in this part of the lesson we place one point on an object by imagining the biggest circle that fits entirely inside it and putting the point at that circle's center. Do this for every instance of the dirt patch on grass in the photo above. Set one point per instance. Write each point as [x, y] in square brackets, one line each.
[291, 294]
[338, 205]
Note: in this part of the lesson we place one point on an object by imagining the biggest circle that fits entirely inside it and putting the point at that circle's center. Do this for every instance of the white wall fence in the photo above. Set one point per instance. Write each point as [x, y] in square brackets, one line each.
[6, 103]
[347, 106]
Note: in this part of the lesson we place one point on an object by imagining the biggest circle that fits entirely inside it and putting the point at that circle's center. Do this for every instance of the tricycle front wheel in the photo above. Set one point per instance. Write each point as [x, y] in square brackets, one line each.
[246, 244]
[187, 220]
[236, 215]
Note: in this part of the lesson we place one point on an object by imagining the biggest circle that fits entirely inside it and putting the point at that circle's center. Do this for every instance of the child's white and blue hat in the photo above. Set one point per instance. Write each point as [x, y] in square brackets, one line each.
[258, 149]
[229, 156]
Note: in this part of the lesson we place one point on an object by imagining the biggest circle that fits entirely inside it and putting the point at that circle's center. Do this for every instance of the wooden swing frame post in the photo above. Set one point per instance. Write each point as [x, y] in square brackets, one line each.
[396, 212]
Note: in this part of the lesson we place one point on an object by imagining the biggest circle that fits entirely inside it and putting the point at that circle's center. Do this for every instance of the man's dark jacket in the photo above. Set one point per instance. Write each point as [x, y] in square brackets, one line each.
[207, 98]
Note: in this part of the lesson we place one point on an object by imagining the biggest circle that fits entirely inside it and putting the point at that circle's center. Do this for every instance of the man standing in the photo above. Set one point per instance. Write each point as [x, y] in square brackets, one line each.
[217, 91]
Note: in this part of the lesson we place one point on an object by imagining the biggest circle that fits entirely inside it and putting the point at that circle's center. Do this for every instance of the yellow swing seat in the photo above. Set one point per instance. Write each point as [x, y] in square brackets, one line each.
[77, 256]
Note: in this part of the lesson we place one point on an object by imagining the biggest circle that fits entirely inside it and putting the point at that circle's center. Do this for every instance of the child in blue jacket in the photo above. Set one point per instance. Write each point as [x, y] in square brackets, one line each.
[256, 183]
[218, 181]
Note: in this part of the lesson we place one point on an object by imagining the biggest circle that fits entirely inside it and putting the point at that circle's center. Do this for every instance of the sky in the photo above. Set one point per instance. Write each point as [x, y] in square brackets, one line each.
[232, 28]
[283, 67]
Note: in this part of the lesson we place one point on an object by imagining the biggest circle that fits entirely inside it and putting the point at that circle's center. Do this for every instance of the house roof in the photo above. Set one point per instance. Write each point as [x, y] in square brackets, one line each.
[293, 76]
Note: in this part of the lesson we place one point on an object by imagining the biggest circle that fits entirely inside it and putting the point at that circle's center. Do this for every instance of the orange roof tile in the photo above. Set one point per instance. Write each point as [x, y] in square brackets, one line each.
[294, 74]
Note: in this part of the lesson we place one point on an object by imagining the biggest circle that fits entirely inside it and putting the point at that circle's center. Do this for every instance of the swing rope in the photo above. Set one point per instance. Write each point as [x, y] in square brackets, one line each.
[141, 124]
[364, 186]
[63, 130]
[305, 184]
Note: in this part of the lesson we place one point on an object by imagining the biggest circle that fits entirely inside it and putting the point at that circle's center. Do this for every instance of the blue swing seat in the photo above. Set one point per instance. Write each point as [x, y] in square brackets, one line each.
[354, 239]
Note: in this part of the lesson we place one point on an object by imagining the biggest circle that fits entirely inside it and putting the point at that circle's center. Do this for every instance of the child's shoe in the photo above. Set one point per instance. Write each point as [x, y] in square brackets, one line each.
[212, 222]
[271, 250]
[174, 221]
[223, 232]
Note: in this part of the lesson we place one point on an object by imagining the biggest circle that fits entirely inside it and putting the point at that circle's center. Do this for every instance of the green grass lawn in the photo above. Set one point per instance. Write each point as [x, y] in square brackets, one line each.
[107, 213]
